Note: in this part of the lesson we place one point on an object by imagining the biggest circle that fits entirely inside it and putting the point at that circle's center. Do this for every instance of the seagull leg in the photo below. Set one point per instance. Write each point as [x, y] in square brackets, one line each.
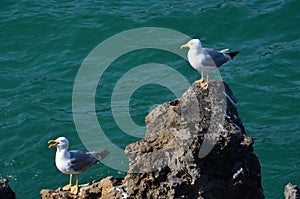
[74, 189]
[202, 79]
[68, 187]
[204, 85]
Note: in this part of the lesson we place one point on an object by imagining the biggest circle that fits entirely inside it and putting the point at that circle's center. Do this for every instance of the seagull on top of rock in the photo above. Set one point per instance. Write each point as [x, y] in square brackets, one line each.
[206, 59]
[73, 162]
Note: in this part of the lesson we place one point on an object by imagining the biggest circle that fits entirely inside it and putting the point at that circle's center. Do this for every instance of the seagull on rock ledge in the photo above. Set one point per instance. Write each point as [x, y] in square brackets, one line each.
[73, 162]
[206, 59]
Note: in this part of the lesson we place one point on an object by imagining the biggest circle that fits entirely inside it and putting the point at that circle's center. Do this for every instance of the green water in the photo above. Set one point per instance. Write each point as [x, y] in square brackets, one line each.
[43, 44]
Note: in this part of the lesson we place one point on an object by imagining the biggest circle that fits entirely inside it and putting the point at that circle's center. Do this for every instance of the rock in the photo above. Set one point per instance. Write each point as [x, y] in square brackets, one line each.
[195, 147]
[5, 191]
[291, 191]
[105, 189]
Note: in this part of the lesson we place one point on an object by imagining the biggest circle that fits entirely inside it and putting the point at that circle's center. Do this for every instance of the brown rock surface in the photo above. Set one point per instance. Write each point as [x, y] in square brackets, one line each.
[103, 189]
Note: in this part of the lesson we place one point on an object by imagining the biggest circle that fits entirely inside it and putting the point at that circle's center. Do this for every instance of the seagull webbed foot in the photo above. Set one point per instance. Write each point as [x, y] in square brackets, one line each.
[67, 187]
[74, 189]
[204, 85]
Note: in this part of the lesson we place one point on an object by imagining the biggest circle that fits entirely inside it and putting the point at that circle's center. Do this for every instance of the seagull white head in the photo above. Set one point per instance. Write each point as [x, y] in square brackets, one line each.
[61, 143]
[192, 44]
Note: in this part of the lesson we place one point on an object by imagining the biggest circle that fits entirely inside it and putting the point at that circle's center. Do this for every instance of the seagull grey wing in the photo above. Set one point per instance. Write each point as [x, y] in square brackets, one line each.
[81, 161]
[100, 155]
[217, 57]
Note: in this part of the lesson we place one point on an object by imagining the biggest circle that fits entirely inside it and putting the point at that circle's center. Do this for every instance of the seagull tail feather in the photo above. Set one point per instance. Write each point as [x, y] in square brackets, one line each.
[100, 155]
[232, 54]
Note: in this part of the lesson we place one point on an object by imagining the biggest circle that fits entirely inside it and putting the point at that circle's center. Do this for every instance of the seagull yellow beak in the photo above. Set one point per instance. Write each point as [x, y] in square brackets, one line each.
[183, 46]
[54, 143]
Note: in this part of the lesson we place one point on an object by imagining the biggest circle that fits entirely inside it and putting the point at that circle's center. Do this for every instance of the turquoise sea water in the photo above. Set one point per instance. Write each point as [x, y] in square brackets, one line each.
[43, 44]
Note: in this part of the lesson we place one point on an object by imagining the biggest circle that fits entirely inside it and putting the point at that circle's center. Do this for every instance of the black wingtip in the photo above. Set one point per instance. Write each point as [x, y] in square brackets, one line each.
[232, 54]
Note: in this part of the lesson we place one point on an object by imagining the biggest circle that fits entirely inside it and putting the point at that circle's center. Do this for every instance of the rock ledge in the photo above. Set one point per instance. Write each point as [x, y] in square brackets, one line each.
[106, 188]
